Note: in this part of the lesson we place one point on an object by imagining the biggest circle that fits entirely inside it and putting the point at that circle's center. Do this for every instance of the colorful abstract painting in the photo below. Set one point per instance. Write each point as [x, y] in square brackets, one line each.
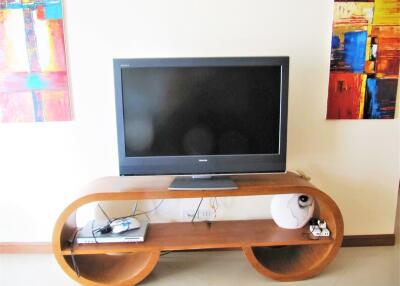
[365, 59]
[33, 72]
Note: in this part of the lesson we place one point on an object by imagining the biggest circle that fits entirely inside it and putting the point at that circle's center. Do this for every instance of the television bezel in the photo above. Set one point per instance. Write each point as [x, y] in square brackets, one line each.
[202, 164]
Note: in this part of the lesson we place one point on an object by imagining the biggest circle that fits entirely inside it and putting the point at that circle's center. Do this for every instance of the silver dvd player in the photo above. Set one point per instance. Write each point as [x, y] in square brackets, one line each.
[88, 234]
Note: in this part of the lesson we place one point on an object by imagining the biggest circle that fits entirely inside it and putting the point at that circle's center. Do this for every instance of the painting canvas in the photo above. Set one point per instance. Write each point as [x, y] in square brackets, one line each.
[33, 72]
[365, 58]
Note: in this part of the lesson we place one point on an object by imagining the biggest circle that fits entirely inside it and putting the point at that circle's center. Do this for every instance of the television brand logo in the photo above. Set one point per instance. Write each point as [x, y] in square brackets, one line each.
[203, 160]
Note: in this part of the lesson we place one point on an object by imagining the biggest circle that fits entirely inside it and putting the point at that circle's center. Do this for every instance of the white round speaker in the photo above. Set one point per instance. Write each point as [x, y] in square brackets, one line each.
[292, 210]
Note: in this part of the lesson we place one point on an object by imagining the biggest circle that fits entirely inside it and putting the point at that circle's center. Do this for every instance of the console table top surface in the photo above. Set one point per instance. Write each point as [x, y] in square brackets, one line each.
[156, 187]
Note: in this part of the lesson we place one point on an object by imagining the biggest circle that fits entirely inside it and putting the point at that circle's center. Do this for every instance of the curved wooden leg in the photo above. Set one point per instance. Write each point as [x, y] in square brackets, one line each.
[112, 269]
[292, 262]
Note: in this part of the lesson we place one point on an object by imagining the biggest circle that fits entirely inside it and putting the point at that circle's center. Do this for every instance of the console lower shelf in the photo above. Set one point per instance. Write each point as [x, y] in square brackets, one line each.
[206, 235]
[277, 253]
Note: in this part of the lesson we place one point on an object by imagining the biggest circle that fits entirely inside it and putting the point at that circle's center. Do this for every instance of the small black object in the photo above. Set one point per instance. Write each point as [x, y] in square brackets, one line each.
[304, 201]
[303, 198]
[105, 229]
[313, 221]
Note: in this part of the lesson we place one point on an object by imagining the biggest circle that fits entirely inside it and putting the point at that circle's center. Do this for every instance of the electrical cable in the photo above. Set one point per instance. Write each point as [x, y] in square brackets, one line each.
[134, 210]
[128, 216]
[104, 213]
[198, 207]
[141, 213]
[150, 211]
[74, 264]
[93, 231]
[214, 205]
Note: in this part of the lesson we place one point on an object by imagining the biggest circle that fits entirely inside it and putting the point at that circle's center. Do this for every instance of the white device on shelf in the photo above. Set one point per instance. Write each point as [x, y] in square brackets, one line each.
[292, 210]
[315, 230]
[325, 232]
[121, 225]
[88, 235]
[319, 228]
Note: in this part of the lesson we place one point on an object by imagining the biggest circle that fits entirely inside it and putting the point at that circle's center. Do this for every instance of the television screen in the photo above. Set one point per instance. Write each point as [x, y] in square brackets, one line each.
[202, 115]
[177, 111]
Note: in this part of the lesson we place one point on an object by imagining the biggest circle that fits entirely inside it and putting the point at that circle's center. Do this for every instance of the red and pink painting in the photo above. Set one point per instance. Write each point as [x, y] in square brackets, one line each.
[365, 59]
[33, 71]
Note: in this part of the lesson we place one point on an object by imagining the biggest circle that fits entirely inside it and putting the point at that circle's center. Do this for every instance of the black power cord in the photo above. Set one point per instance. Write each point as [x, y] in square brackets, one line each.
[197, 210]
[74, 264]
[104, 213]
[141, 213]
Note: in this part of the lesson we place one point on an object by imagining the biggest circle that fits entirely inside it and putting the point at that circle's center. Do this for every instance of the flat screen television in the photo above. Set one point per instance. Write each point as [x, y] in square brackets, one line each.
[201, 116]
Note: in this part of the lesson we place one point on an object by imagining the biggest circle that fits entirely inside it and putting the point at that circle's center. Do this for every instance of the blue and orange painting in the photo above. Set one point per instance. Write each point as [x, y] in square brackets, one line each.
[365, 59]
[33, 71]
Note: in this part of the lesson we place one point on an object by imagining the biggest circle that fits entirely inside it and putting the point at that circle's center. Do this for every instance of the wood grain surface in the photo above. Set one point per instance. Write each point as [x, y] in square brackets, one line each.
[274, 252]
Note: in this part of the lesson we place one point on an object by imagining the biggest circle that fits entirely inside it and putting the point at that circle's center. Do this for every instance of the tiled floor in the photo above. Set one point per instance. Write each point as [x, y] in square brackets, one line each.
[375, 266]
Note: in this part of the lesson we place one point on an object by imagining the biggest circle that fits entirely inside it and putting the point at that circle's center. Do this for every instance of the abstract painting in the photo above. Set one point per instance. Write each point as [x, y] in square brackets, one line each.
[33, 71]
[365, 59]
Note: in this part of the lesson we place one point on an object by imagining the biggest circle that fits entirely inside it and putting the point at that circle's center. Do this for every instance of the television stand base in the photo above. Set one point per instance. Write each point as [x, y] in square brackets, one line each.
[280, 254]
[203, 183]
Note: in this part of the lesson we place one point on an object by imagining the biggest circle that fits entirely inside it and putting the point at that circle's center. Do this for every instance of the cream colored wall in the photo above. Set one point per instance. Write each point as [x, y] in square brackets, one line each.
[44, 165]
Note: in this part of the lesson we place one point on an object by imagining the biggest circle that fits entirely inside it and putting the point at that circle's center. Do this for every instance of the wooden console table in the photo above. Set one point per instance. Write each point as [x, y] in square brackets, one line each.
[281, 254]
